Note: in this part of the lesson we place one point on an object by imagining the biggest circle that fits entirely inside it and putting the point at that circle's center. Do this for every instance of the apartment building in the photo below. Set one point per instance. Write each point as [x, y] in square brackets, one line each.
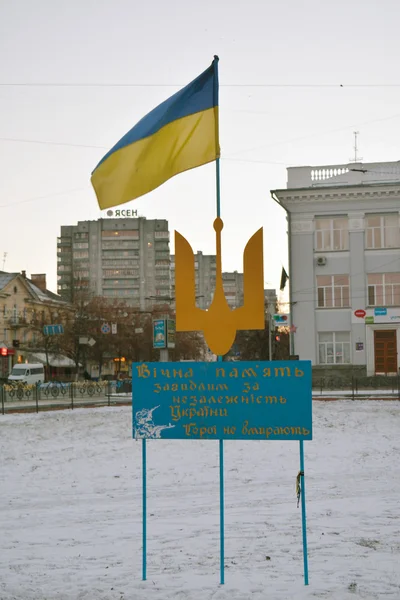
[233, 288]
[344, 265]
[205, 266]
[205, 270]
[124, 258]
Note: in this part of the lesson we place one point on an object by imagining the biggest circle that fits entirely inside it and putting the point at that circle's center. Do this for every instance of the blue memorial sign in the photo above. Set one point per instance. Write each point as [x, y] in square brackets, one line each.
[222, 400]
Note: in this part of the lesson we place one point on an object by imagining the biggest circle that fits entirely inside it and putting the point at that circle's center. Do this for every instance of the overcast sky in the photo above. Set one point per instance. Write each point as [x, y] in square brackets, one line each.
[159, 46]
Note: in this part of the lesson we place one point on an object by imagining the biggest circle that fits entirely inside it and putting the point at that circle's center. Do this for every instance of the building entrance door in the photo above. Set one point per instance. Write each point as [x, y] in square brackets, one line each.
[385, 351]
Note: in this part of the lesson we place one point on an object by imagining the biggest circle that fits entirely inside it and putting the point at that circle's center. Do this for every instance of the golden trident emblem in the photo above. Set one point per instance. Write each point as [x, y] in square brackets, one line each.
[219, 323]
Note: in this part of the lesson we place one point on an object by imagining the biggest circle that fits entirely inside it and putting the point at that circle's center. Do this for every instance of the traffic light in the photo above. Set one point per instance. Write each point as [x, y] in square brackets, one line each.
[3, 351]
[277, 337]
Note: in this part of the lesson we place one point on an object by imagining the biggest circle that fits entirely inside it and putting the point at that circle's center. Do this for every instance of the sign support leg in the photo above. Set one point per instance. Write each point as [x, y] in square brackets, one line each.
[222, 512]
[221, 508]
[144, 508]
[303, 512]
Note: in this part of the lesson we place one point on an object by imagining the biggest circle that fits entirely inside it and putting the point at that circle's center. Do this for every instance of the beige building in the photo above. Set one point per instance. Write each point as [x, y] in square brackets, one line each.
[25, 306]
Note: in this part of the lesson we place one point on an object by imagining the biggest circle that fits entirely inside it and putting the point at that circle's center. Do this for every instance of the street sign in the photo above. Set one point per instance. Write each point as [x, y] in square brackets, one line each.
[113, 328]
[159, 333]
[91, 342]
[170, 333]
[105, 328]
[53, 329]
[139, 330]
[282, 319]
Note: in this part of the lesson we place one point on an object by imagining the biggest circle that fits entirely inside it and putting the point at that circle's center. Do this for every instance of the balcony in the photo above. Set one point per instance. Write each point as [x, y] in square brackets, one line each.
[17, 321]
[159, 263]
[64, 242]
[161, 246]
[161, 235]
[163, 285]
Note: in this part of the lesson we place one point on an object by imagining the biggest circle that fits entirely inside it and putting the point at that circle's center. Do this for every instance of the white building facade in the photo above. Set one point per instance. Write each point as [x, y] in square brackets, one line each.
[344, 265]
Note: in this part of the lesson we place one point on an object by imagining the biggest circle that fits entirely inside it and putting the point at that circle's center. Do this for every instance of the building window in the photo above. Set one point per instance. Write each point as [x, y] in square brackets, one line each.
[331, 234]
[81, 274]
[334, 348]
[333, 291]
[382, 231]
[126, 233]
[117, 245]
[121, 272]
[383, 289]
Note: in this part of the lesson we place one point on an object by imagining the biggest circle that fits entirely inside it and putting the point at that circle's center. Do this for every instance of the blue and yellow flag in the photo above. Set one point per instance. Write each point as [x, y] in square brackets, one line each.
[180, 134]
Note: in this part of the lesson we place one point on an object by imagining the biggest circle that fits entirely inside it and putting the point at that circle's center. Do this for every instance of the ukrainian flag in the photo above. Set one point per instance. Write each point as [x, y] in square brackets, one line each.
[180, 134]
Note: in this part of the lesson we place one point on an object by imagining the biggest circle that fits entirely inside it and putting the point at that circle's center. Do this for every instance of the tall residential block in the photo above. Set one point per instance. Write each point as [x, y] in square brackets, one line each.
[124, 258]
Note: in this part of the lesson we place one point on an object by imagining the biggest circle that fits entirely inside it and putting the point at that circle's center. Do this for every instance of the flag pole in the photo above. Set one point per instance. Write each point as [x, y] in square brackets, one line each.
[221, 442]
[218, 151]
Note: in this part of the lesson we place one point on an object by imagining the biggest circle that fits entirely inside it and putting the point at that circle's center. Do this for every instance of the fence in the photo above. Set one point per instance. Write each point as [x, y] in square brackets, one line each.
[20, 397]
[379, 386]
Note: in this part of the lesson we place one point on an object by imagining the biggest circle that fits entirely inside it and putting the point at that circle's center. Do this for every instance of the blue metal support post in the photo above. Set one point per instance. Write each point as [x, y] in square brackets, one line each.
[144, 508]
[303, 513]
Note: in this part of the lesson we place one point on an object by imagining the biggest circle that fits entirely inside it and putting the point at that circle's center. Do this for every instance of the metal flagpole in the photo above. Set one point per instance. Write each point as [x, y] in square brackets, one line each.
[303, 512]
[221, 442]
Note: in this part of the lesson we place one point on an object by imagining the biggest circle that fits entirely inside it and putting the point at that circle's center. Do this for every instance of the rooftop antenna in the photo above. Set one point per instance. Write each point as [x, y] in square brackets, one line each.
[356, 157]
[4, 260]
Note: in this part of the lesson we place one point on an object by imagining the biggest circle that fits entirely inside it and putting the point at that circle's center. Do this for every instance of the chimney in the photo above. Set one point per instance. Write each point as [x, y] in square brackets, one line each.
[39, 280]
[23, 273]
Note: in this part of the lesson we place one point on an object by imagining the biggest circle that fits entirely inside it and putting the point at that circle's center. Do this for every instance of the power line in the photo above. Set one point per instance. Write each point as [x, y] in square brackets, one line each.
[315, 134]
[249, 160]
[179, 85]
[49, 143]
[11, 204]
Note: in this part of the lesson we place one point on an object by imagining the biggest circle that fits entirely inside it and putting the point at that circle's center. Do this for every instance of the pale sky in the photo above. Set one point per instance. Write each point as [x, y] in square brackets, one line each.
[277, 109]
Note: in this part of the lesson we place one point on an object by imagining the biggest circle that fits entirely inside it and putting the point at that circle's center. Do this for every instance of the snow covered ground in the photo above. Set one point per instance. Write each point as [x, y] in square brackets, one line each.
[70, 510]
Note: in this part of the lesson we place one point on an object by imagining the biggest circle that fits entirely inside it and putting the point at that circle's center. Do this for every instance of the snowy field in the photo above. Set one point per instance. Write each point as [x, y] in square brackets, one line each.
[70, 511]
